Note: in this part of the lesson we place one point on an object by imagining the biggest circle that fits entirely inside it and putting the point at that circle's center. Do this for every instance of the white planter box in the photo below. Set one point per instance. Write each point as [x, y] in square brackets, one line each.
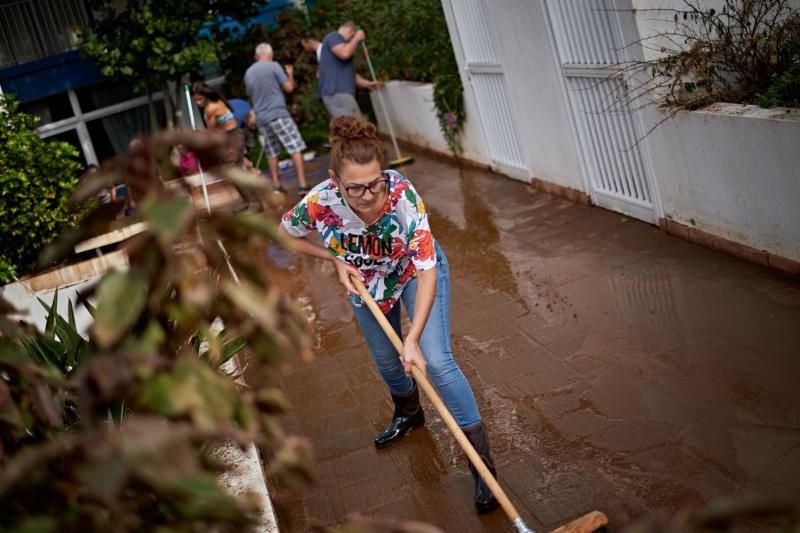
[409, 105]
[733, 171]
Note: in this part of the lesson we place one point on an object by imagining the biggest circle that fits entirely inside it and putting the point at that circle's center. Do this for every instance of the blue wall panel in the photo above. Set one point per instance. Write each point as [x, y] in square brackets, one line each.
[52, 75]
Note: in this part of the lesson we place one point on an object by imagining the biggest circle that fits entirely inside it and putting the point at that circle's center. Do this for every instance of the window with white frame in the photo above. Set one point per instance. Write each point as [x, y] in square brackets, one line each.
[99, 120]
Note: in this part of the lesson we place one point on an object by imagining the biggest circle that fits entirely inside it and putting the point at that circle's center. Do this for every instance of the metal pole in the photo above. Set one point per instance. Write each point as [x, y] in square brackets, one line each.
[190, 104]
[380, 98]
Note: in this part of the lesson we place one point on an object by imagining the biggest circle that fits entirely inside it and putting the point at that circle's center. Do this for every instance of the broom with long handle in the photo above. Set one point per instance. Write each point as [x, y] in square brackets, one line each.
[585, 524]
[399, 160]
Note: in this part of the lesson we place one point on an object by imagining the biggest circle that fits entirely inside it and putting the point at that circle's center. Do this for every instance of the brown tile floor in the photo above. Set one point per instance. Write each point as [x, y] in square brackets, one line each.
[618, 368]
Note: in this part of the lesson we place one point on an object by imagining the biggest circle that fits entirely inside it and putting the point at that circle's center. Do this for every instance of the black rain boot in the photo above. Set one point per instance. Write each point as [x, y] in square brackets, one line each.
[408, 415]
[484, 499]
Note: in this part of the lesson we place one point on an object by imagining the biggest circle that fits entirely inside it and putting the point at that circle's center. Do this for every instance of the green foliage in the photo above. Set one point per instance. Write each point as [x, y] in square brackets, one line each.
[744, 51]
[37, 178]
[784, 91]
[7, 272]
[58, 352]
[407, 40]
[61, 347]
[237, 54]
[153, 355]
[448, 97]
[152, 42]
[410, 40]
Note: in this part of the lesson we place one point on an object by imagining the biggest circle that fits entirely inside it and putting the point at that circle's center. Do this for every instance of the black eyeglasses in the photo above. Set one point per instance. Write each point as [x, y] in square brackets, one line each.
[376, 186]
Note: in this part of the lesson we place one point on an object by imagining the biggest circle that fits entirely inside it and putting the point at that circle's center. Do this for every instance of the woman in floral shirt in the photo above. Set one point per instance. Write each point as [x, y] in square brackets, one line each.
[375, 228]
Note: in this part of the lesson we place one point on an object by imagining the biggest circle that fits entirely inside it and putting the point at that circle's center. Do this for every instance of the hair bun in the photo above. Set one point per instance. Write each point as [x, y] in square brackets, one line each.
[348, 128]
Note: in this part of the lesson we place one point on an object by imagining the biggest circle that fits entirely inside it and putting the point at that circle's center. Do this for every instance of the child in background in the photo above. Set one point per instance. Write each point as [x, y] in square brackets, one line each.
[187, 162]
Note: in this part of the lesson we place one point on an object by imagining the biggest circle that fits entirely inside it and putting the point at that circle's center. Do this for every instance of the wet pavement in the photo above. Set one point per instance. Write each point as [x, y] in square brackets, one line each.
[618, 369]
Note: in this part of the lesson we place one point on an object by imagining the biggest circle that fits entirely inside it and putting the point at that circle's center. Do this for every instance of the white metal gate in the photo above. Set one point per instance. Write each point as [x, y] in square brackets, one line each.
[590, 47]
[478, 54]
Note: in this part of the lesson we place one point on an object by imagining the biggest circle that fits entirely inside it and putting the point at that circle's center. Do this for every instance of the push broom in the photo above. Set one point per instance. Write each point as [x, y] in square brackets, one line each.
[585, 524]
[399, 160]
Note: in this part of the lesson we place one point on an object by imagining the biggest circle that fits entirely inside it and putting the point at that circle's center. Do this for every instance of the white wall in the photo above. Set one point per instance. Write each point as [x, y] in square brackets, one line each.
[730, 171]
[733, 171]
[411, 110]
[32, 311]
[727, 171]
[534, 81]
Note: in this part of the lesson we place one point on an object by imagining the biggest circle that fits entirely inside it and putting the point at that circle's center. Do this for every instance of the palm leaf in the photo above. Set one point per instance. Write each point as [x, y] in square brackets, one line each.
[71, 314]
[89, 307]
[51, 313]
[231, 348]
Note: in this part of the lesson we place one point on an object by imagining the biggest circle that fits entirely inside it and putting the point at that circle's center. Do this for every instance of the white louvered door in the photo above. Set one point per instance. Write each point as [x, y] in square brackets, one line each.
[480, 58]
[591, 49]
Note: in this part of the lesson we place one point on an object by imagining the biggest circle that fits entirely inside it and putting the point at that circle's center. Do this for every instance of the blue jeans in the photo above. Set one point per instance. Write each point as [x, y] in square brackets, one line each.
[435, 345]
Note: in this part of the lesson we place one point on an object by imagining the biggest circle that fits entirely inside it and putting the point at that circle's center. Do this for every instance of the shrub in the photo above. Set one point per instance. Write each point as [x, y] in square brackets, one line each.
[784, 91]
[746, 51]
[37, 178]
[150, 43]
[7, 271]
[410, 40]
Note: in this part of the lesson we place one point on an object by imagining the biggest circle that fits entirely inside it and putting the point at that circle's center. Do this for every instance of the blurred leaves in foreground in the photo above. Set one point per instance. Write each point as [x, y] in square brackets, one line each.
[114, 431]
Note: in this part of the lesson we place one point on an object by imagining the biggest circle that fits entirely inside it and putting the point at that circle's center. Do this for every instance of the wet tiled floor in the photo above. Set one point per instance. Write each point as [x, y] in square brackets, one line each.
[618, 369]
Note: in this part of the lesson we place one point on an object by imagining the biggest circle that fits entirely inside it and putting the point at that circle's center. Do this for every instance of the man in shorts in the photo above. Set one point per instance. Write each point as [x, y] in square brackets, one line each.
[337, 74]
[266, 82]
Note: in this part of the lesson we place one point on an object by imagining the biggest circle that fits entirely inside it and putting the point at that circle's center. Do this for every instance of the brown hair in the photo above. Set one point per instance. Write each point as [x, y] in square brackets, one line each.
[209, 93]
[354, 140]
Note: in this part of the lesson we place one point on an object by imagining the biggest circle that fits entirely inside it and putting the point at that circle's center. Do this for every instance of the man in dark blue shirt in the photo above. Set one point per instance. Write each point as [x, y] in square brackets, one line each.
[338, 78]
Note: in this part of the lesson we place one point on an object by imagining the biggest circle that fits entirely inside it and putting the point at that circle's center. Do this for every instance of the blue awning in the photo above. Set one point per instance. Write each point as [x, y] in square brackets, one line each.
[49, 76]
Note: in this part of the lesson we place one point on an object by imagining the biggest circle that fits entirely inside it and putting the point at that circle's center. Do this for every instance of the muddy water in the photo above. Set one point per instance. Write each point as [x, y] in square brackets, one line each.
[618, 369]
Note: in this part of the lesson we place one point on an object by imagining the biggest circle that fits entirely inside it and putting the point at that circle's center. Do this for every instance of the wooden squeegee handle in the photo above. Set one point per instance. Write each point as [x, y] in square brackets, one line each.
[437, 402]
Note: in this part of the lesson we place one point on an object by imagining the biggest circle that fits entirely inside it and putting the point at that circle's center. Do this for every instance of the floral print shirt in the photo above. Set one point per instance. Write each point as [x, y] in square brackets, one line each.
[388, 252]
